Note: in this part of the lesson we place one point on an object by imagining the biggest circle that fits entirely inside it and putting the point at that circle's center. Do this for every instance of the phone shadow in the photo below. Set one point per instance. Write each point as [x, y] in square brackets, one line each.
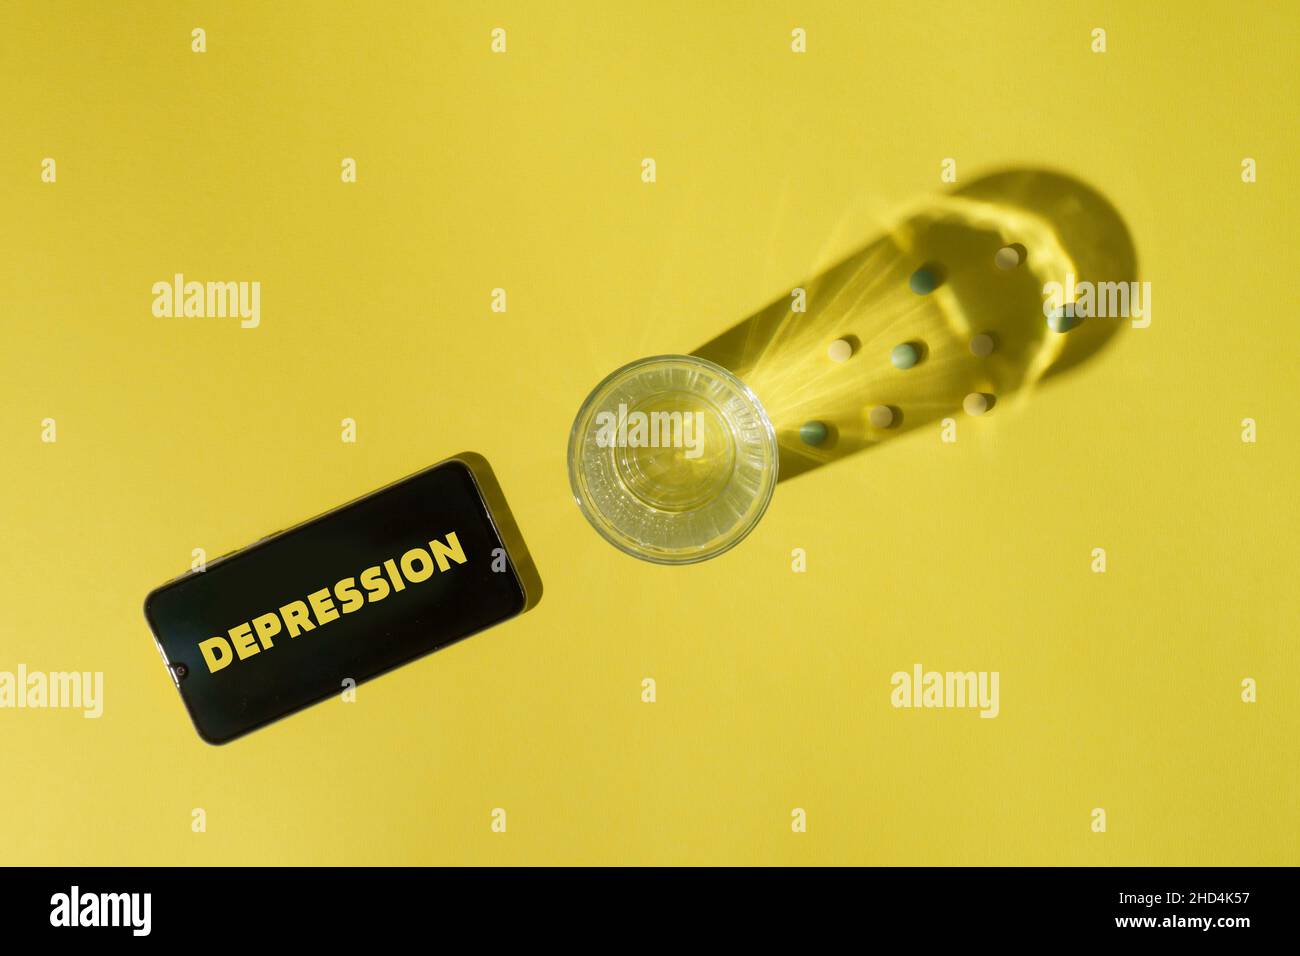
[931, 281]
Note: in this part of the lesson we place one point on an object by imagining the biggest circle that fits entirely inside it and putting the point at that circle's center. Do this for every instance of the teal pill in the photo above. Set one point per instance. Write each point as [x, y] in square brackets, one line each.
[905, 355]
[923, 281]
[812, 433]
[1063, 319]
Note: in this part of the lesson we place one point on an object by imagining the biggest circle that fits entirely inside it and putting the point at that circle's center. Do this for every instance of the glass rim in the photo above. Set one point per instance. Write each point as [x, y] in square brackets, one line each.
[769, 439]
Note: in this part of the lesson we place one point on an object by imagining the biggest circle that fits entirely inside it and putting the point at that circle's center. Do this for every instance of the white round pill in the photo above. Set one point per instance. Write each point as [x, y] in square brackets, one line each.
[881, 416]
[981, 345]
[975, 404]
[1008, 257]
[840, 350]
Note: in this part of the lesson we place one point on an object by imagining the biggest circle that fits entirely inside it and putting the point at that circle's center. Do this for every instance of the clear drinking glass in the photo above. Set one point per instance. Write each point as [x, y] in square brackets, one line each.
[672, 459]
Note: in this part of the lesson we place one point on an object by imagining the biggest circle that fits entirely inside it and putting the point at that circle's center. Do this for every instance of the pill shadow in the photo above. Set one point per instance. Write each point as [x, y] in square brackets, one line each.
[1060, 225]
[507, 527]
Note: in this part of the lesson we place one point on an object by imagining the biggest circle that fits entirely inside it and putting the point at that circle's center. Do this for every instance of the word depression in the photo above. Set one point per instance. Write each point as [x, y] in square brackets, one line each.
[252, 637]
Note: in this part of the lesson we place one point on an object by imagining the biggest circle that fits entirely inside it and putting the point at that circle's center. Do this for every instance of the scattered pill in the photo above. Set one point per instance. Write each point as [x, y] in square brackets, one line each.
[881, 416]
[840, 350]
[905, 355]
[1062, 319]
[981, 345]
[1008, 257]
[813, 433]
[924, 280]
[975, 404]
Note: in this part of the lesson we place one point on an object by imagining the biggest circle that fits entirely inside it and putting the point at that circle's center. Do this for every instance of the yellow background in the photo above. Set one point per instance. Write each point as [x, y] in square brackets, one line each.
[522, 171]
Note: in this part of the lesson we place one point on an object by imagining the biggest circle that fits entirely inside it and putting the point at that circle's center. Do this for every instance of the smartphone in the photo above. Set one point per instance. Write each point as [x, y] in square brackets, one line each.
[310, 612]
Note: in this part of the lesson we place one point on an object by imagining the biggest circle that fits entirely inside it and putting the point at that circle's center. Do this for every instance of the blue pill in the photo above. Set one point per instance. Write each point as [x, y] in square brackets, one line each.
[813, 433]
[905, 355]
[924, 281]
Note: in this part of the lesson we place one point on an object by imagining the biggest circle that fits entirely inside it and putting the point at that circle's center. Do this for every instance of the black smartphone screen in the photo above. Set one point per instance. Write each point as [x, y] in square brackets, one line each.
[286, 622]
